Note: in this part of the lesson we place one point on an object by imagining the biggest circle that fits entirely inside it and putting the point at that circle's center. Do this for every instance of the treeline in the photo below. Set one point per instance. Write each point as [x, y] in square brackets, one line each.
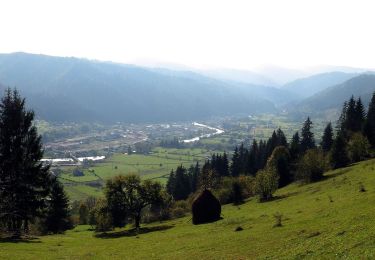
[274, 163]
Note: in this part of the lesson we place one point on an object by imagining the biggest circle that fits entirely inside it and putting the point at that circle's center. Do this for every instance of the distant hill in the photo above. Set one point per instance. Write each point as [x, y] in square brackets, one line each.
[333, 97]
[243, 76]
[306, 87]
[71, 89]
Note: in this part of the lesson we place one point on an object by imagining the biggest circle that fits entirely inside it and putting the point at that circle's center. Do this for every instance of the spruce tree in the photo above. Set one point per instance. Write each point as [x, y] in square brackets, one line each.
[252, 163]
[57, 214]
[235, 167]
[307, 141]
[295, 147]
[351, 122]
[23, 178]
[281, 139]
[224, 165]
[339, 155]
[327, 139]
[340, 126]
[360, 115]
[369, 128]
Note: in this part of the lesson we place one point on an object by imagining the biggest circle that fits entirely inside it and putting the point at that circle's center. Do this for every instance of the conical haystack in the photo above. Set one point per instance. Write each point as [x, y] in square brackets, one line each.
[206, 208]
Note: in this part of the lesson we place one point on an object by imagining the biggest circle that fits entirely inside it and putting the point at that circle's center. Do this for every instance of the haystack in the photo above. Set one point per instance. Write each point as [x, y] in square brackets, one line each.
[206, 208]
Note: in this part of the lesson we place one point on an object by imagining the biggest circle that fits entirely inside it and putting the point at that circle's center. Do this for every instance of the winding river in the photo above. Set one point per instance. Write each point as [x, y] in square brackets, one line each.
[218, 131]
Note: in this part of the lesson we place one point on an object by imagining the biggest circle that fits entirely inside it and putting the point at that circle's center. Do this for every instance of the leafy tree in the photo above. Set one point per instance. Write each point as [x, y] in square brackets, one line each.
[358, 147]
[57, 217]
[135, 194]
[24, 180]
[339, 157]
[280, 161]
[369, 128]
[266, 183]
[116, 202]
[312, 166]
[327, 139]
[307, 141]
[101, 216]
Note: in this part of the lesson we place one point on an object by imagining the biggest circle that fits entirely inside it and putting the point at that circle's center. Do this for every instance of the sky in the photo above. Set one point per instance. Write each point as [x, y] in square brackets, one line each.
[201, 34]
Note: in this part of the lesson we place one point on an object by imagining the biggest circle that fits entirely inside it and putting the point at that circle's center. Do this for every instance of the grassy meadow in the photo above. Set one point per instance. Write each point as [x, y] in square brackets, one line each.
[156, 165]
[330, 219]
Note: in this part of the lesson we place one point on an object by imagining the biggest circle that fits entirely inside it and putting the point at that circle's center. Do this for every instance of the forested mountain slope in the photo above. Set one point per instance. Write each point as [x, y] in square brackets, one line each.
[71, 89]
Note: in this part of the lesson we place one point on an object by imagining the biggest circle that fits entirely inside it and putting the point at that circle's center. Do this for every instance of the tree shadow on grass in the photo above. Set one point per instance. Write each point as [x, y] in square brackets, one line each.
[19, 240]
[338, 173]
[133, 232]
[280, 197]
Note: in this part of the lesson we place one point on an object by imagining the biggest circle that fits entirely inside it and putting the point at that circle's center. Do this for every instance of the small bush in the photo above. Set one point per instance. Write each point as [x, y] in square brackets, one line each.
[362, 187]
[266, 183]
[278, 219]
[312, 166]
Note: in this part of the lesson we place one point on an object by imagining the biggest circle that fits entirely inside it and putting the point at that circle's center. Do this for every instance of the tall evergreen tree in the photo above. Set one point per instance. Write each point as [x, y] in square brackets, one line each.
[327, 139]
[57, 213]
[369, 128]
[23, 178]
[295, 147]
[252, 161]
[340, 126]
[360, 115]
[281, 139]
[351, 122]
[225, 165]
[181, 188]
[235, 166]
[307, 141]
[339, 155]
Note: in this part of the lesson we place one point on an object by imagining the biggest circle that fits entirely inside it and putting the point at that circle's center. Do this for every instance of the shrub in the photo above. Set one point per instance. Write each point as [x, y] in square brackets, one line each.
[311, 166]
[278, 219]
[78, 172]
[358, 147]
[103, 218]
[280, 160]
[266, 183]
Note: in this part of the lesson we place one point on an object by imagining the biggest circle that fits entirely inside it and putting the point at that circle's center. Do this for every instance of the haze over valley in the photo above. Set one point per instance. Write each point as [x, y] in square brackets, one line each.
[207, 129]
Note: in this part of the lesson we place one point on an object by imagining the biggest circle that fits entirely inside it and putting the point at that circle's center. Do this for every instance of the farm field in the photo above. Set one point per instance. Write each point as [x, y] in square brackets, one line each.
[330, 219]
[156, 165]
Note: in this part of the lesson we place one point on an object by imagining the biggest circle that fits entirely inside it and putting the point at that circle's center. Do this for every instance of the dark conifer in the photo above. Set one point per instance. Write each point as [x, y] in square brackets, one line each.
[339, 155]
[235, 166]
[252, 161]
[295, 147]
[360, 115]
[23, 178]
[307, 141]
[57, 214]
[369, 128]
[327, 139]
[281, 139]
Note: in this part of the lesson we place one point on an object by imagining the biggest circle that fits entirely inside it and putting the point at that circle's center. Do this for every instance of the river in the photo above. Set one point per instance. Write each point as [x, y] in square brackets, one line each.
[218, 131]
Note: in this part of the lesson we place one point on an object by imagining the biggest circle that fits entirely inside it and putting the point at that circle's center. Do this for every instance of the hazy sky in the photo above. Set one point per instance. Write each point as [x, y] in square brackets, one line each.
[238, 34]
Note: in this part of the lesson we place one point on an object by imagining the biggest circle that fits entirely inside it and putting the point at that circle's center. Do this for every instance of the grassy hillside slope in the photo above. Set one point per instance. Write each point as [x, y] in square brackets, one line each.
[326, 220]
